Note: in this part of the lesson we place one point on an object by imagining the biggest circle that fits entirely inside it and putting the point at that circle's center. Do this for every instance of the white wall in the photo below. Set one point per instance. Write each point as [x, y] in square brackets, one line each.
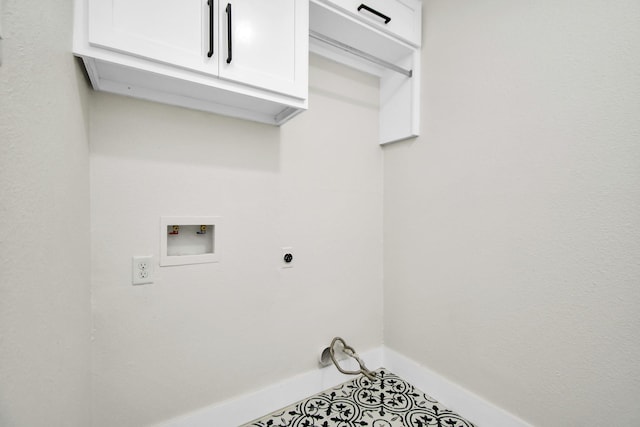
[44, 221]
[204, 333]
[512, 225]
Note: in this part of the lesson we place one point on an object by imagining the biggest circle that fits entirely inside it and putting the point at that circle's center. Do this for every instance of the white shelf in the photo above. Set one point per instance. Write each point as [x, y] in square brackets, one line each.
[359, 41]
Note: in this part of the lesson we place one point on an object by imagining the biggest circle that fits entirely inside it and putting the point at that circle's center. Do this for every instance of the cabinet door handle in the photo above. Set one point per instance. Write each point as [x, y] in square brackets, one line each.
[210, 53]
[229, 41]
[375, 12]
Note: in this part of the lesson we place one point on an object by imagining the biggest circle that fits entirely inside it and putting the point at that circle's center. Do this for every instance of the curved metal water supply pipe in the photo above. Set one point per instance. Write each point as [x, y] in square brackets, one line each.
[349, 351]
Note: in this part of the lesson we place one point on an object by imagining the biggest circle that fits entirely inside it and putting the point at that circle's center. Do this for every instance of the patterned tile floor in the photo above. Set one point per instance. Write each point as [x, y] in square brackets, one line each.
[388, 401]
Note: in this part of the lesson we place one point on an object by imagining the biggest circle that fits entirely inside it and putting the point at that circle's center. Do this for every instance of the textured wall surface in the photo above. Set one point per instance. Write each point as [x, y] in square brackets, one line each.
[204, 333]
[44, 221]
[512, 225]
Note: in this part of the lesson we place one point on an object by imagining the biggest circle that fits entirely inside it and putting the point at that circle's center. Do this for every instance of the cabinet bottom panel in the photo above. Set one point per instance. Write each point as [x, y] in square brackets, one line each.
[123, 80]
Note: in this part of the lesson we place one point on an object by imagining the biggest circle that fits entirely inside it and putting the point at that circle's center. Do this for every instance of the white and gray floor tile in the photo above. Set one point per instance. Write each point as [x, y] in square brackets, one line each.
[388, 401]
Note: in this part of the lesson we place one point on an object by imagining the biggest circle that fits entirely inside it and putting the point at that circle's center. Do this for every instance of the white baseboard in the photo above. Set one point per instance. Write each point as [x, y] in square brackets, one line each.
[458, 399]
[248, 407]
[243, 409]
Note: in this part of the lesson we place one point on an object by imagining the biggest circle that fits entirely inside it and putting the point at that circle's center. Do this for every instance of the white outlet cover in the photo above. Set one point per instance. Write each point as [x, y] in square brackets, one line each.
[142, 270]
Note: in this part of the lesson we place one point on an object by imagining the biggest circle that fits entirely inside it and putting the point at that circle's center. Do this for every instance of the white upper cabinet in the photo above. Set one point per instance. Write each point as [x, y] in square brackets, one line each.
[168, 31]
[381, 37]
[243, 58]
[400, 18]
[259, 44]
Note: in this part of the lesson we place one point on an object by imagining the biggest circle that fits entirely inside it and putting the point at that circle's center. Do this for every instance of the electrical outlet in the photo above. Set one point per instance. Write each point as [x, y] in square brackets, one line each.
[287, 257]
[142, 270]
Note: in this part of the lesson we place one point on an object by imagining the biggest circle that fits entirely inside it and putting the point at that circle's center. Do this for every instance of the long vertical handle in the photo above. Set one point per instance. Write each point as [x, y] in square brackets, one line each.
[210, 53]
[229, 41]
[375, 12]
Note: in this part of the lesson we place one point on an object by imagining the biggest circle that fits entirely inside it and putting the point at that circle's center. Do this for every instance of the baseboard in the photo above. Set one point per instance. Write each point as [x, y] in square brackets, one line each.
[450, 394]
[243, 409]
[248, 407]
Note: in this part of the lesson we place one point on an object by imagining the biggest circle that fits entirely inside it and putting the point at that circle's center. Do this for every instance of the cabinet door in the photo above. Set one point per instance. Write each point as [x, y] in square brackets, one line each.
[170, 31]
[265, 44]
